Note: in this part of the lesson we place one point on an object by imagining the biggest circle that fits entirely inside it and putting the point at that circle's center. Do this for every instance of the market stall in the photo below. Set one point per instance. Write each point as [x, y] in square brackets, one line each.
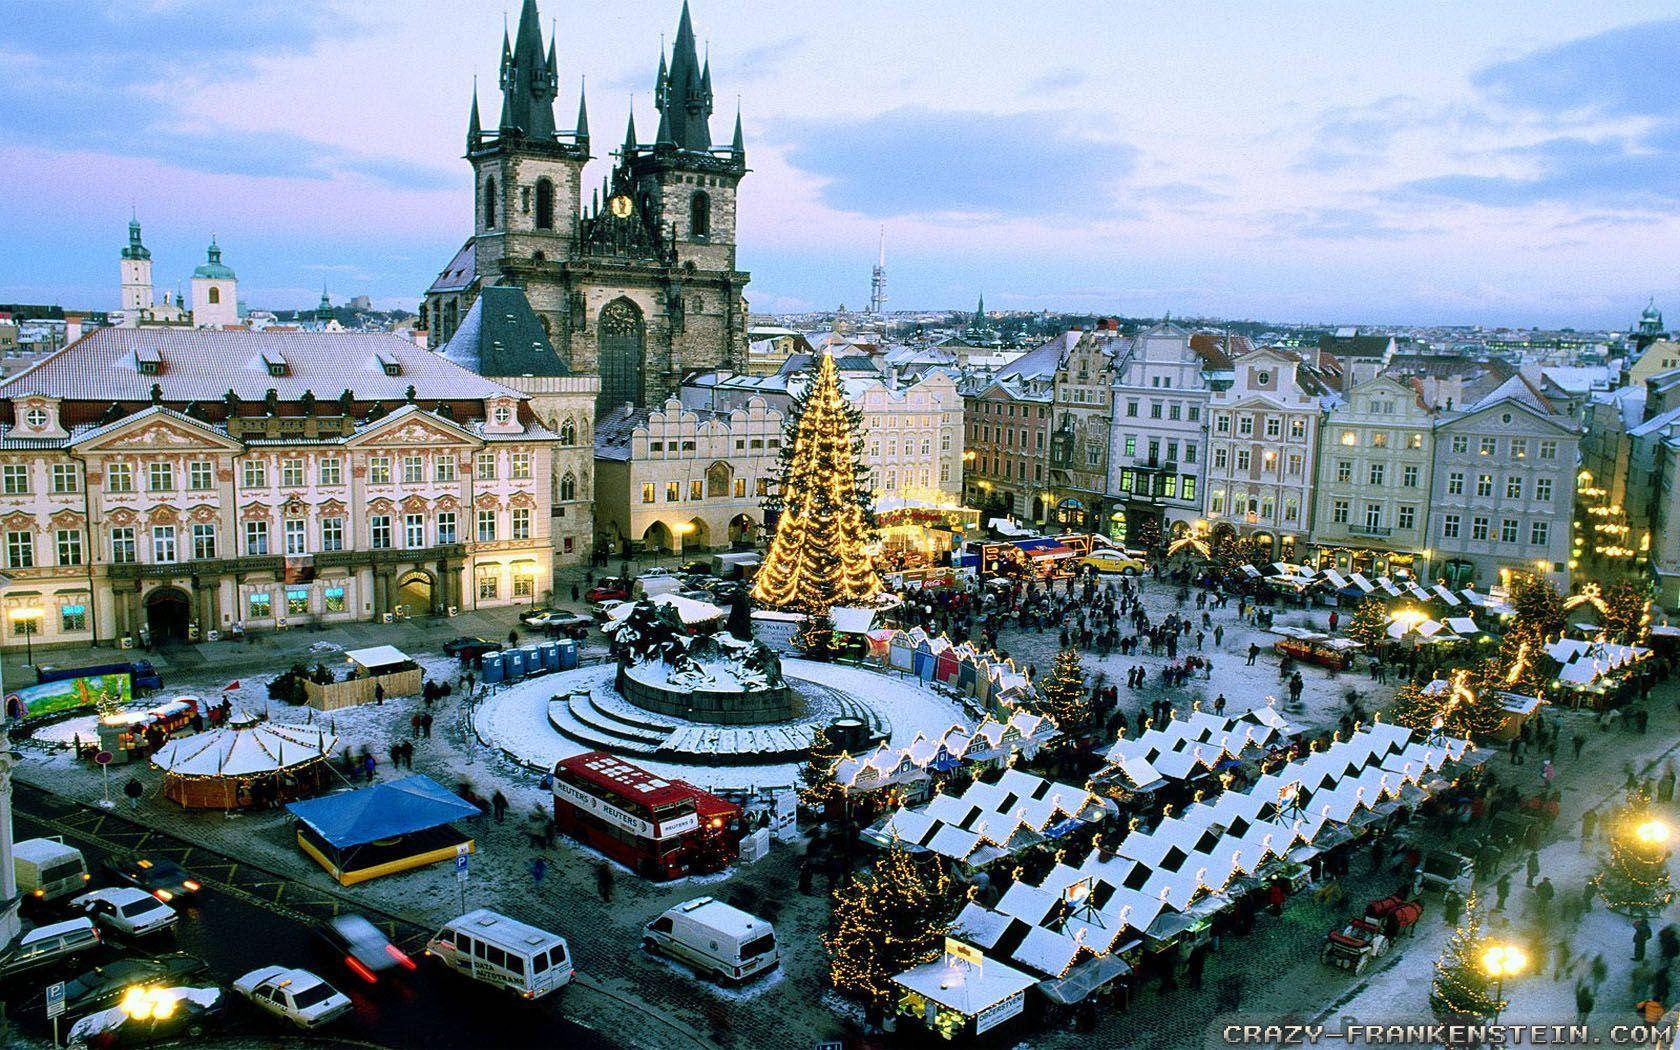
[381, 830]
[963, 993]
[375, 673]
[246, 763]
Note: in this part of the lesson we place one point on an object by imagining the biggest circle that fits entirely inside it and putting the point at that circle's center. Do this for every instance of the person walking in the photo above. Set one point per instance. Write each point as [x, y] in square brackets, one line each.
[499, 804]
[379, 692]
[1533, 868]
[539, 868]
[1502, 889]
[604, 881]
[134, 790]
[1452, 906]
[1583, 1003]
[426, 725]
[1253, 651]
[1641, 934]
[1543, 895]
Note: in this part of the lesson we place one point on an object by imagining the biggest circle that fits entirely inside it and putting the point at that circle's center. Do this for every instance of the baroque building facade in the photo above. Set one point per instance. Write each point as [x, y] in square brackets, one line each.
[170, 483]
[641, 286]
[1371, 512]
[1082, 414]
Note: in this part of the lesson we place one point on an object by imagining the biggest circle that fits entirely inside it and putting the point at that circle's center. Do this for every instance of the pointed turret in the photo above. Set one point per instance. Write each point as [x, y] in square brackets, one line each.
[629, 148]
[660, 79]
[475, 130]
[581, 135]
[529, 80]
[706, 85]
[739, 145]
[685, 99]
[135, 249]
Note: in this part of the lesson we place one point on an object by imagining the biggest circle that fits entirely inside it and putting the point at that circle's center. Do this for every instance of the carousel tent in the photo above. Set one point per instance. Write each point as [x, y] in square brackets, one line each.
[227, 768]
[389, 827]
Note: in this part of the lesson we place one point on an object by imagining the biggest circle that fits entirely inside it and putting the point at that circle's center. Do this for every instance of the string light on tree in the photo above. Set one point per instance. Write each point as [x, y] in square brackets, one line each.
[1463, 988]
[886, 919]
[1633, 878]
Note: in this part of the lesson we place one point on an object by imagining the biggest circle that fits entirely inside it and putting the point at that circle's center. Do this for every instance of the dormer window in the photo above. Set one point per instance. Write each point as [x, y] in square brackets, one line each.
[148, 361]
[503, 414]
[275, 363]
[391, 365]
[36, 418]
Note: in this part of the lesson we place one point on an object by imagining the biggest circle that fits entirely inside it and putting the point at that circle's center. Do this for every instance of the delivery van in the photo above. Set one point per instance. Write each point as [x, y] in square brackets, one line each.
[47, 869]
[721, 942]
[737, 565]
[503, 953]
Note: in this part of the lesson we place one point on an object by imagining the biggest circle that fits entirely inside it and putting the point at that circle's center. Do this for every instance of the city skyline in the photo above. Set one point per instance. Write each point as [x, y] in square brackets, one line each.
[1243, 166]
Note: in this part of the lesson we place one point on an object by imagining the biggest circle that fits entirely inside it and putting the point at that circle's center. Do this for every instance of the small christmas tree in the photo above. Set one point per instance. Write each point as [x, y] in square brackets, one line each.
[886, 919]
[816, 634]
[1461, 710]
[1634, 877]
[1627, 612]
[818, 790]
[1063, 696]
[1369, 623]
[1462, 989]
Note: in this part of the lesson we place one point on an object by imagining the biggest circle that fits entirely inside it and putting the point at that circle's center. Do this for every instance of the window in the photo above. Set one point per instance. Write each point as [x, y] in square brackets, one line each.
[1195, 413]
[160, 477]
[945, 441]
[119, 477]
[66, 478]
[647, 492]
[1484, 485]
[256, 537]
[1131, 444]
[1221, 424]
[446, 527]
[1373, 515]
[700, 215]
[545, 204]
[1187, 486]
[379, 527]
[1414, 441]
[484, 466]
[1174, 410]
[1350, 438]
[334, 599]
[486, 526]
[673, 491]
[1405, 516]
[741, 483]
[1154, 410]
[1455, 483]
[1274, 427]
[1297, 429]
[1243, 459]
[521, 523]
[215, 294]
[487, 587]
[1379, 472]
[1220, 458]
[69, 544]
[696, 489]
[256, 474]
[203, 541]
[260, 606]
[332, 534]
[524, 585]
[1519, 448]
[379, 470]
[1548, 450]
[521, 464]
[1216, 503]
[1479, 528]
[163, 543]
[1245, 426]
[1460, 444]
[200, 475]
[445, 468]
[291, 472]
[1543, 489]
[490, 203]
[1296, 462]
[414, 531]
[297, 601]
[332, 472]
[1409, 476]
[413, 470]
[294, 534]
[1513, 486]
[1379, 439]
[1449, 526]
[1339, 509]
[1539, 532]
[1488, 447]
[1508, 530]
[122, 545]
[1344, 470]
[72, 618]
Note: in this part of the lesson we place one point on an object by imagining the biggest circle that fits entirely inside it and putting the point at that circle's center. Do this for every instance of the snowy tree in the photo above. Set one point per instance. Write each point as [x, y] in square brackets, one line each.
[1634, 877]
[886, 919]
[818, 790]
[1063, 696]
[1462, 988]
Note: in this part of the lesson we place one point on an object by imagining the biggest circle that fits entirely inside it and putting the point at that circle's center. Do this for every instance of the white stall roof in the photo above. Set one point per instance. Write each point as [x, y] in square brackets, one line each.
[376, 656]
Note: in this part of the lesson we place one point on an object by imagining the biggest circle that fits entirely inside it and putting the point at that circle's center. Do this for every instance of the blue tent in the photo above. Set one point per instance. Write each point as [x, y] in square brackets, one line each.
[383, 811]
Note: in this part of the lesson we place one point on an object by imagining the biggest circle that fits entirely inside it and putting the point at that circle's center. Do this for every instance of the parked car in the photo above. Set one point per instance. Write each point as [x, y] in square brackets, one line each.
[162, 878]
[470, 650]
[299, 996]
[362, 946]
[539, 617]
[608, 590]
[720, 941]
[103, 986]
[604, 611]
[559, 621]
[126, 910]
[47, 869]
[698, 568]
[1443, 870]
[148, 1014]
[657, 570]
[1114, 562]
[46, 947]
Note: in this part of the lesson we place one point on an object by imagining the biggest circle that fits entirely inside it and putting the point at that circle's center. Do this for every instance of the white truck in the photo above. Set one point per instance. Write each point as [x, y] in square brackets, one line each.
[47, 869]
[721, 942]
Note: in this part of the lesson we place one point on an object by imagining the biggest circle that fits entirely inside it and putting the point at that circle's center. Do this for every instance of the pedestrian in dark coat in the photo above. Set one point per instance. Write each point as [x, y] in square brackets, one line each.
[1533, 868]
[1641, 934]
[426, 725]
[499, 804]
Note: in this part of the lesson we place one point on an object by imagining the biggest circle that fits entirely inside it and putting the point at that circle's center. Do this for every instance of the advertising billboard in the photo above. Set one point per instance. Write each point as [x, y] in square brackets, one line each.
[70, 694]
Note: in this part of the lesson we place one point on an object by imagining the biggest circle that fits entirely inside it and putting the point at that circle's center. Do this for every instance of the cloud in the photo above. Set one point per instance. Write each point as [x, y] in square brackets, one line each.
[1341, 224]
[920, 161]
[1628, 71]
[1178, 194]
[1061, 79]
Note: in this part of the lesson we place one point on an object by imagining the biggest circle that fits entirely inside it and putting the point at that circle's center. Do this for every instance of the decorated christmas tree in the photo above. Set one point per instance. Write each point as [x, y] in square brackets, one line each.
[1460, 710]
[1063, 696]
[818, 790]
[820, 556]
[1627, 612]
[886, 919]
[1634, 878]
[1462, 988]
[1369, 623]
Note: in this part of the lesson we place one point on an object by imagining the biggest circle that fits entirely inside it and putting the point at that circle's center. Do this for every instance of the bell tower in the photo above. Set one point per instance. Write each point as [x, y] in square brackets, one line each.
[136, 277]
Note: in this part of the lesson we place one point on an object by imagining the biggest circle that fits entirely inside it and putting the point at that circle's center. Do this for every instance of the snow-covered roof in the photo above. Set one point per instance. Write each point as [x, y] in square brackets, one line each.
[963, 987]
[376, 656]
[245, 749]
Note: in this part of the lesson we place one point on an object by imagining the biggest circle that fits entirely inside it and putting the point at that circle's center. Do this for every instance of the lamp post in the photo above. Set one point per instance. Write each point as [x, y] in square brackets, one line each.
[678, 531]
[24, 622]
[1499, 961]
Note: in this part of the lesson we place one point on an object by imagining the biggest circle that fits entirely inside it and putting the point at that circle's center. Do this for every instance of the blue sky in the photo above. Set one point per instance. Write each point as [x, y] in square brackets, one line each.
[1499, 163]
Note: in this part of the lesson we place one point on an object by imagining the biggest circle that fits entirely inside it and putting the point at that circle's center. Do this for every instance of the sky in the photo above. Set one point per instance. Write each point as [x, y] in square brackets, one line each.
[1463, 162]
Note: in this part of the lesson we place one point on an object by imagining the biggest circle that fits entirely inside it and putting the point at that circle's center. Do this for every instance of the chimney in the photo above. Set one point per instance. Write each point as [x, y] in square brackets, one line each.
[72, 328]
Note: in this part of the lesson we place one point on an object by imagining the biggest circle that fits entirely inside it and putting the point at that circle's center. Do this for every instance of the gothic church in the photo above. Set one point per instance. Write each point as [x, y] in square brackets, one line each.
[640, 286]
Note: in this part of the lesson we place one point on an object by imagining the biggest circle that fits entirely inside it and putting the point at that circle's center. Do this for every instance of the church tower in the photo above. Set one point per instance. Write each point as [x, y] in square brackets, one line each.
[136, 277]
[215, 291]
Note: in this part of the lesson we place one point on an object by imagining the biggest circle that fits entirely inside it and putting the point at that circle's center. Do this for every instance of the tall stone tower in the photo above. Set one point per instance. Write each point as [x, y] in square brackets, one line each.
[640, 286]
[215, 291]
[136, 277]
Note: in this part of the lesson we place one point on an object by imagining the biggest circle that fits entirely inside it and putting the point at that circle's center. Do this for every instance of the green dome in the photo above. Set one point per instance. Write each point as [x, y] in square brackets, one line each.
[213, 268]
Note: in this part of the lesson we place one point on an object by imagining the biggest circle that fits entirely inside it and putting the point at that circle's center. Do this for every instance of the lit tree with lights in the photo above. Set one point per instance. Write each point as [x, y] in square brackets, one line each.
[1461, 710]
[818, 788]
[1462, 987]
[1369, 623]
[1627, 612]
[1633, 878]
[1063, 695]
[886, 919]
[820, 555]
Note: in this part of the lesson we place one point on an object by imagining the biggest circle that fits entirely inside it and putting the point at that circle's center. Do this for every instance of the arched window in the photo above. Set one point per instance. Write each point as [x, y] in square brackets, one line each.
[215, 295]
[538, 256]
[700, 215]
[545, 204]
[490, 203]
[568, 433]
[568, 488]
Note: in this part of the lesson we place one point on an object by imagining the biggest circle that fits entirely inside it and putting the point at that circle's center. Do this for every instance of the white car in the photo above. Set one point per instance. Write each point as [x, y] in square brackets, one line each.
[126, 910]
[297, 995]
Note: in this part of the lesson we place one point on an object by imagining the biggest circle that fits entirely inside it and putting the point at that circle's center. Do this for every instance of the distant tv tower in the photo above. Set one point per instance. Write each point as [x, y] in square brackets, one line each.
[878, 280]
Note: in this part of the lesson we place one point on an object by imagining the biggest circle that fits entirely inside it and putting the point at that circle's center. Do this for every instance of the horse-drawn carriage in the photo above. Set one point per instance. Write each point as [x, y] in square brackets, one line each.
[1355, 943]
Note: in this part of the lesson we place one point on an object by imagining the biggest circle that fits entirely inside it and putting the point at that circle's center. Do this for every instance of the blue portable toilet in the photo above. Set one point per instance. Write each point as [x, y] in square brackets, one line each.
[492, 668]
[567, 652]
[514, 663]
[533, 660]
[550, 655]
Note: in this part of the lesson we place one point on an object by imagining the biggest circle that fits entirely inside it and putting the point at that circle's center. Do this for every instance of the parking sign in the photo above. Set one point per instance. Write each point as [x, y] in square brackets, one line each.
[55, 999]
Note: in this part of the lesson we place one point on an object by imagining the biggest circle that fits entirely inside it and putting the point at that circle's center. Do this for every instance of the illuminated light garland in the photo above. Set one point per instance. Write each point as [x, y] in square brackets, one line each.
[887, 919]
[1634, 877]
[1462, 988]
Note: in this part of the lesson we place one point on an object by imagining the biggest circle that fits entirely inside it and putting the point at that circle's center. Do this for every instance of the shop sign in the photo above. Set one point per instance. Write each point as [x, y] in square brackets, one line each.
[992, 1016]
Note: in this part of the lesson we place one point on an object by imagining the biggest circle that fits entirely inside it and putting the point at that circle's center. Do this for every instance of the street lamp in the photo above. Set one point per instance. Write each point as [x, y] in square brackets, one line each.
[24, 622]
[1654, 833]
[1499, 961]
[678, 531]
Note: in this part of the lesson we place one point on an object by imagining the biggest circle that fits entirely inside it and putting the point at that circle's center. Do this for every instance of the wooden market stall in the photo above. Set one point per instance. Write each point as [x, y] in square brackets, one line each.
[246, 763]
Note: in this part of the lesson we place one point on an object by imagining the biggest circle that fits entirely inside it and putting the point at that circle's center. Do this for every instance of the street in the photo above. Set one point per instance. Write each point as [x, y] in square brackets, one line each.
[233, 930]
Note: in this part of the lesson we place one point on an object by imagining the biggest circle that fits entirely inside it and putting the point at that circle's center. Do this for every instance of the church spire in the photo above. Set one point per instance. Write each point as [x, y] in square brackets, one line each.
[529, 80]
[739, 145]
[630, 135]
[581, 136]
[475, 130]
[684, 98]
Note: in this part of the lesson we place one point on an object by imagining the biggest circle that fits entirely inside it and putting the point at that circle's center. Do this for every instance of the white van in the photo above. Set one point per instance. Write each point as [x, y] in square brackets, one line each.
[737, 565]
[47, 869]
[722, 942]
[503, 952]
[647, 586]
[46, 945]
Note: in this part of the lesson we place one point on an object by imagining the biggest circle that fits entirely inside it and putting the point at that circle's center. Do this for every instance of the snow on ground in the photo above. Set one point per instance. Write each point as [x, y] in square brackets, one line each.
[516, 720]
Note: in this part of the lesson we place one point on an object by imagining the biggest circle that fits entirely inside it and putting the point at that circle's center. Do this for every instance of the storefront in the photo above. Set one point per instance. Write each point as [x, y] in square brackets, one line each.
[922, 530]
[1366, 560]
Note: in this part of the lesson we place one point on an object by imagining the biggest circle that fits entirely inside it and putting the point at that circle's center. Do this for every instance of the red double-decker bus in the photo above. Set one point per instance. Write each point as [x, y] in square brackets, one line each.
[661, 828]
